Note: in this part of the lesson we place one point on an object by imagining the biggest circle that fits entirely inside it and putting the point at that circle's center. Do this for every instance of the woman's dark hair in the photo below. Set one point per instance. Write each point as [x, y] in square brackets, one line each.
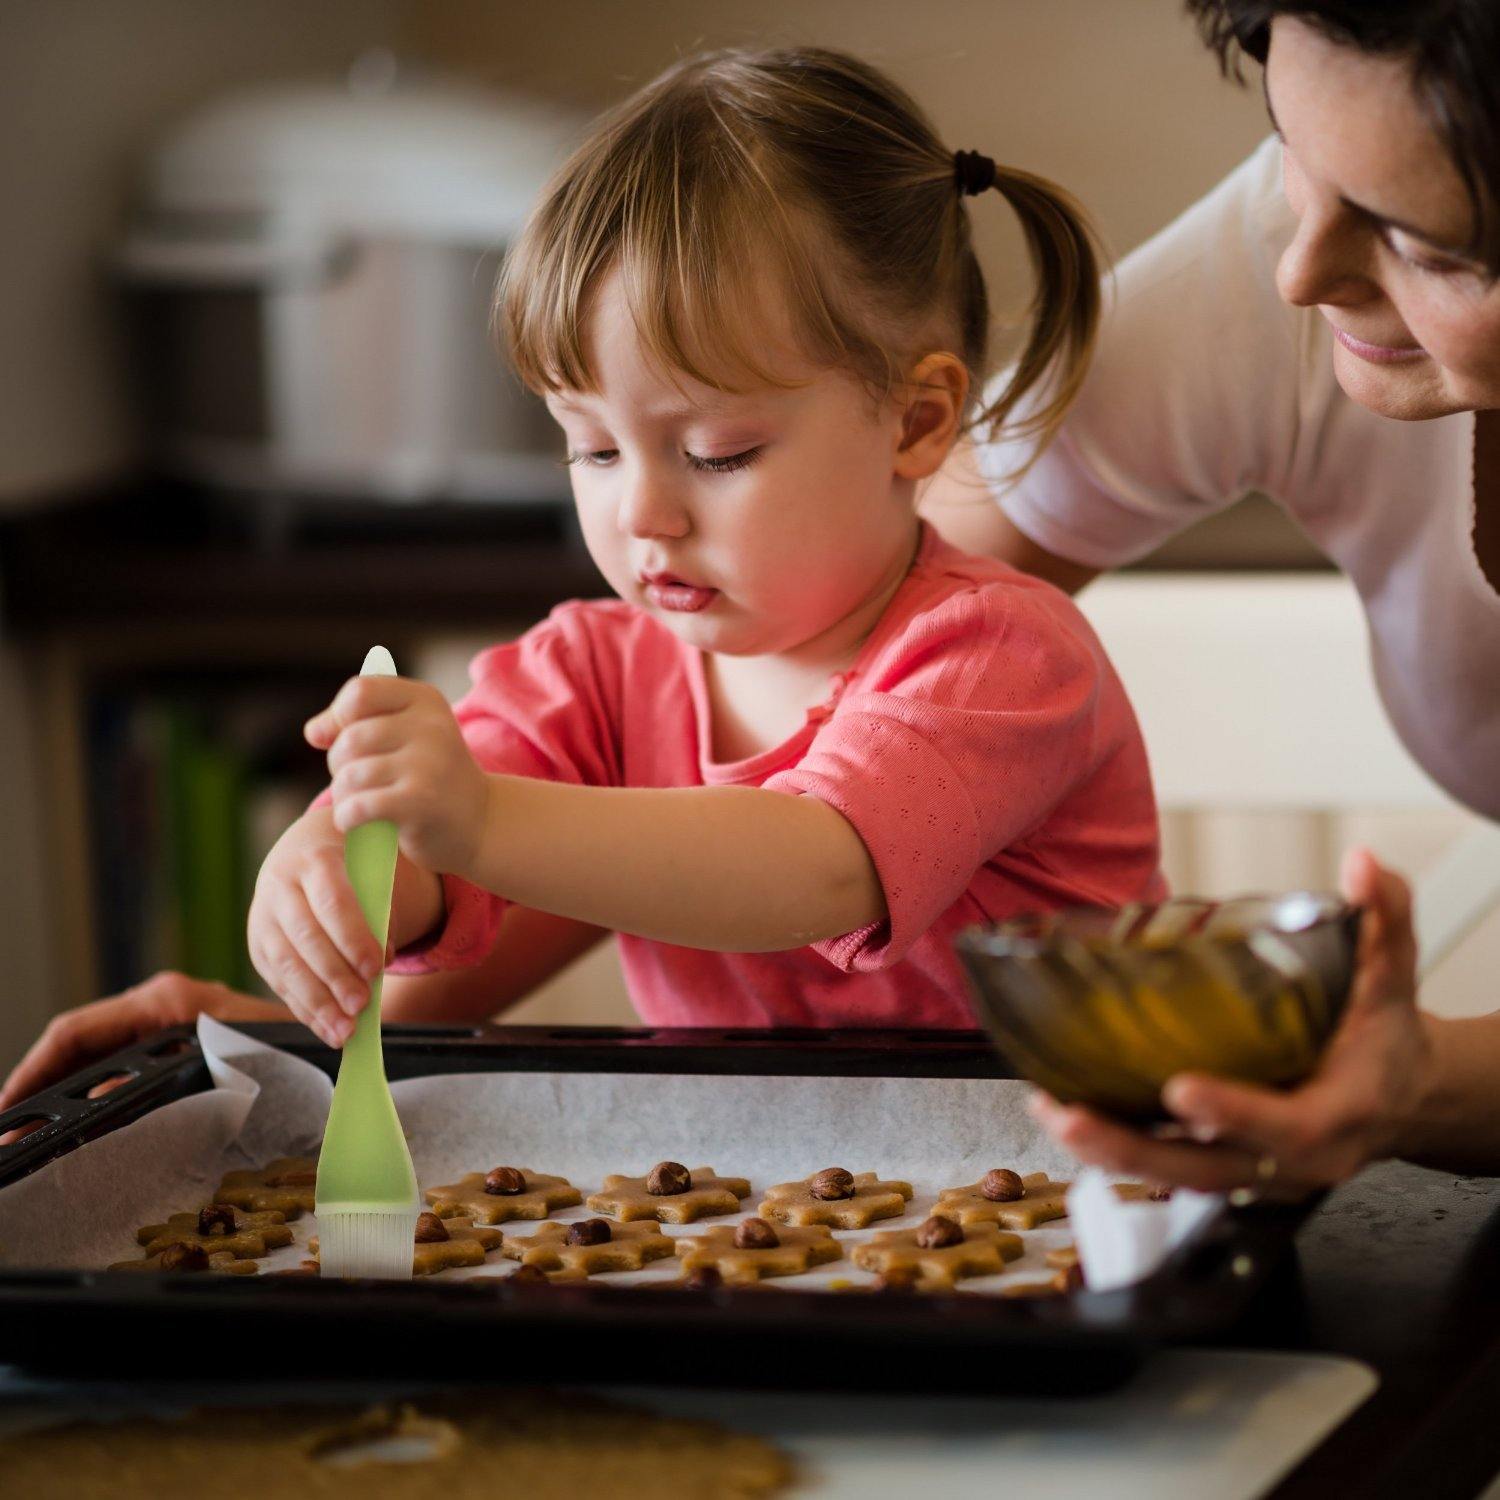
[1454, 50]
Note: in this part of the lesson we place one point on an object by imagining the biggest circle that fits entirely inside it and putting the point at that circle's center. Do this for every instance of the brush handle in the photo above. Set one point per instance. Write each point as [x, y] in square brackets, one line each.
[365, 1160]
[370, 859]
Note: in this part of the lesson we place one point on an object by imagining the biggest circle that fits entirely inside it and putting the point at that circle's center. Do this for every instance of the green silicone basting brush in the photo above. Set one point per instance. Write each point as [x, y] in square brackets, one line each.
[367, 1202]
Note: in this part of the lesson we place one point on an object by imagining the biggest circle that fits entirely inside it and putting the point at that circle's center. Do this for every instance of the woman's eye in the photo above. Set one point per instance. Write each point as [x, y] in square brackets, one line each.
[1426, 263]
[731, 463]
[1432, 265]
[593, 458]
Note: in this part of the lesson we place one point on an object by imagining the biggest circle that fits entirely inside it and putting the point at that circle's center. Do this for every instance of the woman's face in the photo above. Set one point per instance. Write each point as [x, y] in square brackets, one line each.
[1385, 223]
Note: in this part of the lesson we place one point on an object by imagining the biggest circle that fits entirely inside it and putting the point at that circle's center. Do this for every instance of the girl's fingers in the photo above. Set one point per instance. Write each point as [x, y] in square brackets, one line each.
[359, 698]
[331, 899]
[359, 808]
[305, 994]
[369, 737]
[305, 933]
[369, 773]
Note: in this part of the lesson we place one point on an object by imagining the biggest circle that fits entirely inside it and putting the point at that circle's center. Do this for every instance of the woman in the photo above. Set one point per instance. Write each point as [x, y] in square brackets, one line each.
[1324, 327]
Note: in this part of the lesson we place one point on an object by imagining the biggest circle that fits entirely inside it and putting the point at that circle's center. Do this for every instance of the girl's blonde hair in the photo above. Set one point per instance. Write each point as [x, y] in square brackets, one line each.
[805, 173]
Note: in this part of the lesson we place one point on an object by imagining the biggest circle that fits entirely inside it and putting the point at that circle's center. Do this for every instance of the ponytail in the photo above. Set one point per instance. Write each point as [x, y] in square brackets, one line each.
[1064, 310]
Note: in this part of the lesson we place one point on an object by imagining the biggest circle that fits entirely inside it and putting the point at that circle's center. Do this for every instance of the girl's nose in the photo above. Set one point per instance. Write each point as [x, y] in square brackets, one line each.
[1327, 260]
[649, 508]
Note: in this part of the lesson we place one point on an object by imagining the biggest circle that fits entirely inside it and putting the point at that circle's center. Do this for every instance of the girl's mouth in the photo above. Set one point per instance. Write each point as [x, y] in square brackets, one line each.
[677, 595]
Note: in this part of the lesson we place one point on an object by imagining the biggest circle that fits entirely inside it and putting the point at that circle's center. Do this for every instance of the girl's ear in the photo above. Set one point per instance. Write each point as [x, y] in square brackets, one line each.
[934, 397]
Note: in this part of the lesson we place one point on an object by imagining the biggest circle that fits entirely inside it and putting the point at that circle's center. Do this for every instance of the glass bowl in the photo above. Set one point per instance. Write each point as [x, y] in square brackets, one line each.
[1102, 1007]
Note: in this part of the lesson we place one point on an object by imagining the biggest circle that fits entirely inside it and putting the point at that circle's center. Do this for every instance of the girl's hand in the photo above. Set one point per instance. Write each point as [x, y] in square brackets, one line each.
[78, 1037]
[1352, 1111]
[308, 937]
[395, 752]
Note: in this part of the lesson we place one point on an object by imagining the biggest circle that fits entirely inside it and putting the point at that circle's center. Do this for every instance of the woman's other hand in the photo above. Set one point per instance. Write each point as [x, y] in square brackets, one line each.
[78, 1037]
[1357, 1106]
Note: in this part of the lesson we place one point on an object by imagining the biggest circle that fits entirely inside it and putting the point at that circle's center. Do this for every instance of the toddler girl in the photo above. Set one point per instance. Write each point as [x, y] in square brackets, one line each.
[809, 741]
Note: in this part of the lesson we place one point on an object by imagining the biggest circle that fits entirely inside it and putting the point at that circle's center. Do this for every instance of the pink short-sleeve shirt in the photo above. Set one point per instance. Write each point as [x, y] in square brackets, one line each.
[981, 745]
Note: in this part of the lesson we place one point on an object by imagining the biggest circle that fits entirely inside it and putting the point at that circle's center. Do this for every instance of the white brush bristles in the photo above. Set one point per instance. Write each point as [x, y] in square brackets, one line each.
[367, 1241]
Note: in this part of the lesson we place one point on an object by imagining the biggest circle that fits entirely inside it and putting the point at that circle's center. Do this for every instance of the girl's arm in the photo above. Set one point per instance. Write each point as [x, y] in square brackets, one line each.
[531, 947]
[734, 869]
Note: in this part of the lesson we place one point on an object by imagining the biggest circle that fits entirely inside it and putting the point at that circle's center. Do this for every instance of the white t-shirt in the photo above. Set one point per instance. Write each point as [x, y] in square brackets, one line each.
[1207, 386]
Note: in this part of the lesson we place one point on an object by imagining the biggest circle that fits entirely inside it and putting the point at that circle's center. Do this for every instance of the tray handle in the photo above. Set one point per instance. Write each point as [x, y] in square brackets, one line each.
[164, 1063]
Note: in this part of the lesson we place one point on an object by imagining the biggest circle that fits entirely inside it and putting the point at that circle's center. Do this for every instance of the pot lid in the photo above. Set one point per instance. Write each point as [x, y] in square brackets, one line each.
[386, 152]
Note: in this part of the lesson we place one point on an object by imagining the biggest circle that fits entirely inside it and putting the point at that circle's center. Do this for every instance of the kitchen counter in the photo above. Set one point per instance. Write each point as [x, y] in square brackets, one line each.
[1399, 1269]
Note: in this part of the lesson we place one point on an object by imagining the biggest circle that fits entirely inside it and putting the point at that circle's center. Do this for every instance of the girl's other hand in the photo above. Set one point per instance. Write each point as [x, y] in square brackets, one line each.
[1352, 1111]
[308, 937]
[395, 751]
[78, 1037]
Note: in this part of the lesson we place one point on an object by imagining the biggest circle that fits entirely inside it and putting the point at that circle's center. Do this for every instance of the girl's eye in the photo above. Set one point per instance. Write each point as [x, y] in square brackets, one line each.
[730, 464]
[596, 458]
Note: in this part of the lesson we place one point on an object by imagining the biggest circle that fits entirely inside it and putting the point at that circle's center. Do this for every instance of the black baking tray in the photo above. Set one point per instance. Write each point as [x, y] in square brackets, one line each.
[71, 1323]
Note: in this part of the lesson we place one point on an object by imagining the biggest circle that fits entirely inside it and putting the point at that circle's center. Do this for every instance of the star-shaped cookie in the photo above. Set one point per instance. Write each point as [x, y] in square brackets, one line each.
[220, 1228]
[793, 1251]
[980, 1250]
[528, 1275]
[302, 1268]
[287, 1185]
[442, 1243]
[178, 1259]
[1041, 1200]
[706, 1193]
[862, 1198]
[590, 1246]
[492, 1197]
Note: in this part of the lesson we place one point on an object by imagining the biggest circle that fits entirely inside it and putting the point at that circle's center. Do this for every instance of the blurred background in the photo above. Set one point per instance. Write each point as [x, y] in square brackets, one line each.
[250, 423]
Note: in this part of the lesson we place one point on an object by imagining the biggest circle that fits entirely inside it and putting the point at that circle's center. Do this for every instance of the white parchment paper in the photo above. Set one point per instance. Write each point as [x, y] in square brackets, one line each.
[82, 1211]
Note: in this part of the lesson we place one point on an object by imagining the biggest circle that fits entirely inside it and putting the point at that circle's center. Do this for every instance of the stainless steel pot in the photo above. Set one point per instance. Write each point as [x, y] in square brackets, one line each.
[310, 274]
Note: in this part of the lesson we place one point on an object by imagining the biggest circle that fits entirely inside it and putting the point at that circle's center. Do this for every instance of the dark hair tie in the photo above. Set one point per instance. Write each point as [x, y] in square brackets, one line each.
[973, 172]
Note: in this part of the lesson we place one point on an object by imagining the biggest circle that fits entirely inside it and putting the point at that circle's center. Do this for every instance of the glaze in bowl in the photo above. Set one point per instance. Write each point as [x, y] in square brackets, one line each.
[1102, 1007]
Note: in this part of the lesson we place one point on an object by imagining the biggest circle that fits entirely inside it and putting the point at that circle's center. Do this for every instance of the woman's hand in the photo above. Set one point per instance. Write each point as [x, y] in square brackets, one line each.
[78, 1037]
[395, 751]
[1353, 1110]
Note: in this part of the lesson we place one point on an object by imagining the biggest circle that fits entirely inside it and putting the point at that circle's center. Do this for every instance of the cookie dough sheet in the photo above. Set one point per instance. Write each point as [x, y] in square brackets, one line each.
[82, 1210]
